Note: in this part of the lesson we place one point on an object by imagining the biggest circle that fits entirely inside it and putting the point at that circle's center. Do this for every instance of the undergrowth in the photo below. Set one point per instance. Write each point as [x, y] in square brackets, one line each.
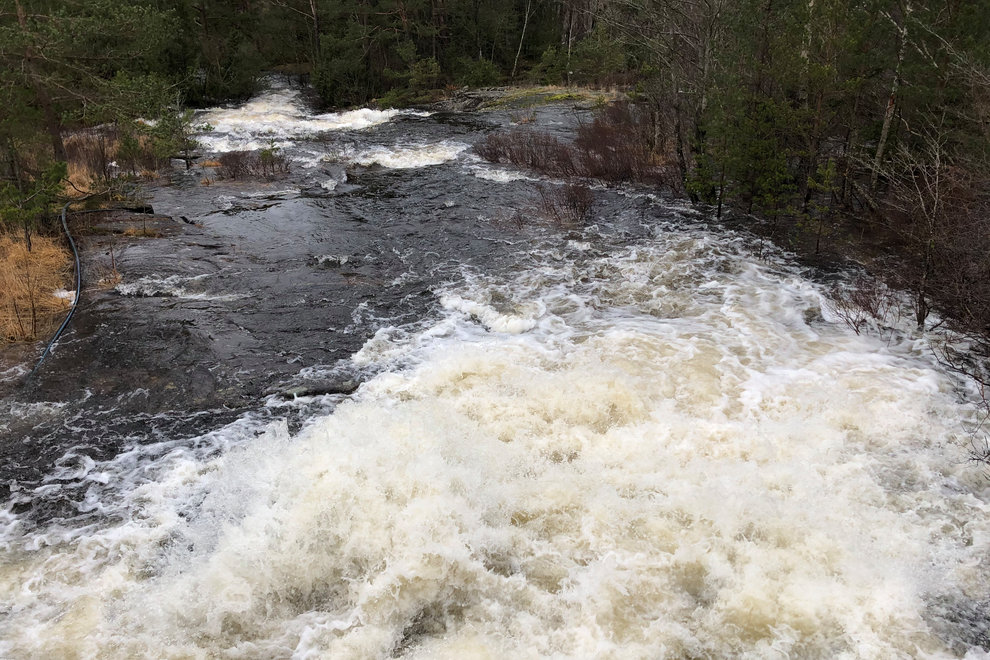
[267, 163]
[613, 147]
[29, 308]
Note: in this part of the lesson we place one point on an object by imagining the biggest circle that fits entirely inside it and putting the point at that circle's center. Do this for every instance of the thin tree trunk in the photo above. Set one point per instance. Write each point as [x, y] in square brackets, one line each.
[522, 37]
[477, 27]
[316, 31]
[570, 44]
[804, 90]
[921, 301]
[721, 190]
[895, 84]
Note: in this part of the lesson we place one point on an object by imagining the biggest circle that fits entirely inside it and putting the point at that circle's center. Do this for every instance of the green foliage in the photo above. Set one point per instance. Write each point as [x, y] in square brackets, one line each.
[596, 59]
[26, 207]
[552, 69]
[825, 183]
[424, 74]
[475, 73]
[271, 162]
[170, 134]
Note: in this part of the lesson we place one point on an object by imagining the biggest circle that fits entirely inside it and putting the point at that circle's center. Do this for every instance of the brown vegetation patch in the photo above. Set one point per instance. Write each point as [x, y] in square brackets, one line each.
[613, 147]
[268, 163]
[566, 206]
[28, 280]
[98, 156]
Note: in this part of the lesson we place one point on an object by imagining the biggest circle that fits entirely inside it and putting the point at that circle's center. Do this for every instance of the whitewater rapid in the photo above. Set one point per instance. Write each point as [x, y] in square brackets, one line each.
[625, 444]
[279, 118]
[665, 451]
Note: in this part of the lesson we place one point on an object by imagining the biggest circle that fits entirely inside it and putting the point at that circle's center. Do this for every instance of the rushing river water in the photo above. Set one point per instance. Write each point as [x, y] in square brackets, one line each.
[636, 440]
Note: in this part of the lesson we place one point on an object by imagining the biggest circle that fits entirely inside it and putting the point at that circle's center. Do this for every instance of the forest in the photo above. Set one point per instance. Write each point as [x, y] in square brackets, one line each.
[857, 127]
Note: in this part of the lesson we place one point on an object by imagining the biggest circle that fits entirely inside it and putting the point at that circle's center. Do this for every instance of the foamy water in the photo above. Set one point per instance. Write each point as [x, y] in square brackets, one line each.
[663, 451]
[409, 156]
[278, 117]
[489, 173]
[172, 286]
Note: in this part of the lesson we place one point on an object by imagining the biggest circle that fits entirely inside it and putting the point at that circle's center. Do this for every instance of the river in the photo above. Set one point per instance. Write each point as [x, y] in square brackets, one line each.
[643, 438]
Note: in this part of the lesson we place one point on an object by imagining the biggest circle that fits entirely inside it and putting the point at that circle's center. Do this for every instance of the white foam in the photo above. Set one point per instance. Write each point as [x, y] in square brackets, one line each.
[409, 156]
[269, 194]
[663, 452]
[278, 117]
[499, 175]
[493, 319]
[172, 286]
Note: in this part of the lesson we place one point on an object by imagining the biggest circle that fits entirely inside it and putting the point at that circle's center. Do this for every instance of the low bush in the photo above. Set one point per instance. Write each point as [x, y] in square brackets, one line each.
[566, 206]
[233, 164]
[867, 304]
[91, 155]
[268, 163]
[103, 155]
[476, 72]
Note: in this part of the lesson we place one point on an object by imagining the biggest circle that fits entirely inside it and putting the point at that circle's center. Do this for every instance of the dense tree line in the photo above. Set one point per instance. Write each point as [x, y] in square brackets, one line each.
[869, 115]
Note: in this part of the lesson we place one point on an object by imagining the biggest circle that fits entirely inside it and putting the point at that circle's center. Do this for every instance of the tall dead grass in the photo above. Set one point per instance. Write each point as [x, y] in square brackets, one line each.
[98, 156]
[29, 308]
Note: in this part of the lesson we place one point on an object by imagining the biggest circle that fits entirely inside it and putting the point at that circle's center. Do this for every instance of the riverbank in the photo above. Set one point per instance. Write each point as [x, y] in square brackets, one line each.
[524, 98]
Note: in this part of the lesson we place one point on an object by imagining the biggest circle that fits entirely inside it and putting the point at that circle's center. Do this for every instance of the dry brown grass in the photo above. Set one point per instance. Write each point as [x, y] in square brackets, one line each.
[28, 281]
[89, 156]
[100, 155]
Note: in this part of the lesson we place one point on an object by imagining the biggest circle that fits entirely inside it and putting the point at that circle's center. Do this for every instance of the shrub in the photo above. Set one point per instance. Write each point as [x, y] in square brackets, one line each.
[551, 69]
[475, 73]
[101, 155]
[612, 147]
[868, 303]
[270, 162]
[567, 205]
[424, 74]
[234, 164]
[91, 153]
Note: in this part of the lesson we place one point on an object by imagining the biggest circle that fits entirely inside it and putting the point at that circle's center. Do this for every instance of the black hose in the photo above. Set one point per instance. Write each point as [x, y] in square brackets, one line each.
[75, 301]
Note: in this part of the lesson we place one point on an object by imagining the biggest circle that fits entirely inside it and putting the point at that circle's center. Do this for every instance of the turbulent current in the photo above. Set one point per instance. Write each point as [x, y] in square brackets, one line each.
[637, 440]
